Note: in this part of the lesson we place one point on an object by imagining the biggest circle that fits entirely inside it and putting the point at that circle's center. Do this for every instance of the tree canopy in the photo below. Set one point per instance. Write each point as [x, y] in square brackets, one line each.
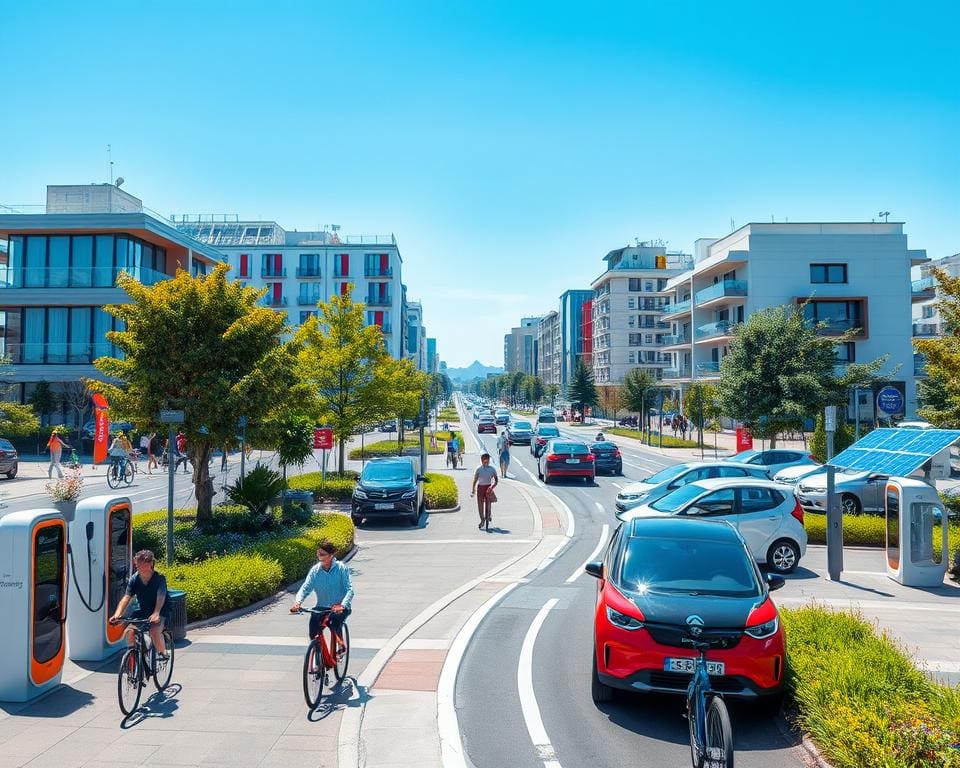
[940, 392]
[15, 419]
[638, 386]
[581, 390]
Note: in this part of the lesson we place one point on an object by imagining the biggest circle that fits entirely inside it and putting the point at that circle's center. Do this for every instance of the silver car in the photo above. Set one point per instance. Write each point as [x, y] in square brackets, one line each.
[858, 491]
[774, 460]
[666, 480]
[793, 475]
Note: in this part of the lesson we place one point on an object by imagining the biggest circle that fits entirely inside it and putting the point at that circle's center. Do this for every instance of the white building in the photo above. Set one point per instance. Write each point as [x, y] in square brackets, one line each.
[549, 348]
[416, 335]
[520, 347]
[855, 275]
[298, 269]
[628, 304]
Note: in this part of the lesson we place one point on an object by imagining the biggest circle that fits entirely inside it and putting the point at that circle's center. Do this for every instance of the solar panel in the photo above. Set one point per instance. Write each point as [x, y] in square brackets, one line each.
[895, 452]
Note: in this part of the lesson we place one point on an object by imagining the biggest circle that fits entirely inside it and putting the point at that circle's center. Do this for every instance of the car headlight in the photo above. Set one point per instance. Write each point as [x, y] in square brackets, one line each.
[359, 493]
[409, 494]
[630, 496]
[764, 630]
[622, 620]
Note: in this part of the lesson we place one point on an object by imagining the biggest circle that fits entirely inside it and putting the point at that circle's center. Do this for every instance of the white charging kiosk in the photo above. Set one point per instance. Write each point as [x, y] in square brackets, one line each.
[100, 554]
[33, 602]
[914, 516]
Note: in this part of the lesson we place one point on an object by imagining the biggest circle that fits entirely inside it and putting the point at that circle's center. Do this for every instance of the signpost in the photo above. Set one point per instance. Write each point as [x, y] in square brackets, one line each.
[834, 512]
[171, 418]
[323, 441]
[890, 401]
[242, 425]
[423, 446]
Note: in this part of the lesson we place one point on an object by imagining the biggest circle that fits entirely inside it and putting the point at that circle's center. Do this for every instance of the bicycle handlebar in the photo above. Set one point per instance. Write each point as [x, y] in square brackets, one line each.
[320, 610]
[131, 621]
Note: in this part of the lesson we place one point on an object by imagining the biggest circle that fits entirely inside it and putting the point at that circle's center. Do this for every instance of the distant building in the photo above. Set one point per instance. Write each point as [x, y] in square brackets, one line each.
[927, 320]
[520, 348]
[571, 331]
[416, 336]
[549, 348]
[432, 361]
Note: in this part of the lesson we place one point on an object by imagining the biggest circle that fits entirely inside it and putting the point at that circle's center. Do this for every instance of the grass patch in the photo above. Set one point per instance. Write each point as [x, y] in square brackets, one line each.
[870, 531]
[440, 491]
[858, 694]
[448, 414]
[669, 441]
[410, 447]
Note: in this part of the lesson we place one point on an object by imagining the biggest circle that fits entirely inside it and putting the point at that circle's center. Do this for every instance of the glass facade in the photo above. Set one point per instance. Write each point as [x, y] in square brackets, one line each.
[56, 335]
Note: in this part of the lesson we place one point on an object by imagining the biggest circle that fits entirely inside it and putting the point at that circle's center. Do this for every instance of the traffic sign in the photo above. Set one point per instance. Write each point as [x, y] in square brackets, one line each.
[172, 417]
[322, 438]
[830, 418]
[890, 401]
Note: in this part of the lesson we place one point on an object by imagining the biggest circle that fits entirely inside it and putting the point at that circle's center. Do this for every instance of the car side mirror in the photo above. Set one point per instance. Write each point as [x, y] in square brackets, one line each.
[420, 478]
[775, 582]
[594, 568]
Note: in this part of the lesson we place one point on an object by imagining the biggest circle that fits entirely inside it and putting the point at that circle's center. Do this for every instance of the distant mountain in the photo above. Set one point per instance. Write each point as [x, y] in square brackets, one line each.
[476, 370]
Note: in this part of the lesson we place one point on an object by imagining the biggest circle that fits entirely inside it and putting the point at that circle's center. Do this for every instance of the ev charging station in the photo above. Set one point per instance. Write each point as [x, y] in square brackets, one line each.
[100, 554]
[33, 602]
[912, 509]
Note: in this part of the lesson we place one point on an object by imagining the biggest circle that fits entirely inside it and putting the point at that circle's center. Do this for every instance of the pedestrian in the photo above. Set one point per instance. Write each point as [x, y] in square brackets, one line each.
[223, 460]
[684, 426]
[503, 453]
[152, 453]
[181, 444]
[485, 479]
[55, 445]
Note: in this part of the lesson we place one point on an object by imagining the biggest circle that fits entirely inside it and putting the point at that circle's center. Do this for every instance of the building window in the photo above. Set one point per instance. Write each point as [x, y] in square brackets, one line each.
[271, 265]
[828, 273]
[635, 339]
[309, 265]
[840, 315]
[631, 358]
[846, 352]
[648, 338]
[648, 286]
[633, 284]
[631, 303]
[304, 316]
[245, 265]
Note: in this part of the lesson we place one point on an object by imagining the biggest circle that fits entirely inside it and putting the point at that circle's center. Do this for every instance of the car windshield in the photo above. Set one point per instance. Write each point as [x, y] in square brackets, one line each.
[388, 472]
[678, 499]
[521, 425]
[688, 566]
[665, 475]
[604, 446]
[575, 448]
[548, 431]
[744, 457]
[6, 445]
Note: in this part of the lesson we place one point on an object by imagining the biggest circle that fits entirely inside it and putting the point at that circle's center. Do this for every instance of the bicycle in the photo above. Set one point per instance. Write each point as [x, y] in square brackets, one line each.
[319, 658]
[134, 457]
[711, 735]
[136, 666]
[120, 470]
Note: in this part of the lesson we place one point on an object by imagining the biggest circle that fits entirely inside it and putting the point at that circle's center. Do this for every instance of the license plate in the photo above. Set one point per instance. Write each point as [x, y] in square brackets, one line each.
[687, 665]
[573, 461]
[383, 506]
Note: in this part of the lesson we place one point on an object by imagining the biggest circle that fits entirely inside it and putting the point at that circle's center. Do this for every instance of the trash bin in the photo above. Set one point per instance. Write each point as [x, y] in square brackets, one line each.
[178, 613]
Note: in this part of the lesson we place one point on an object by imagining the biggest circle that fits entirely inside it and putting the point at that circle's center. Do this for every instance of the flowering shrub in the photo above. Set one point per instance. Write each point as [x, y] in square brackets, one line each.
[66, 488]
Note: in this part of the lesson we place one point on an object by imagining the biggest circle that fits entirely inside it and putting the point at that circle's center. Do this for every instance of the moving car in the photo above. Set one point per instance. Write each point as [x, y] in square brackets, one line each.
[486, 424]
[541, 436]
[388, 487]
[660, 484]
[768, 516]
[665, 580]
[519, 432]
[566, 458]
[858, 491]
[774, 459]
[503, 416]
[546, 416]
[606, 457]
[9, 459]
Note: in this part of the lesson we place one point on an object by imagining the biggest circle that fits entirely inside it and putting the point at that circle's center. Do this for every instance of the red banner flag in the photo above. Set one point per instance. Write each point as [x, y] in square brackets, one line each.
[101, 428]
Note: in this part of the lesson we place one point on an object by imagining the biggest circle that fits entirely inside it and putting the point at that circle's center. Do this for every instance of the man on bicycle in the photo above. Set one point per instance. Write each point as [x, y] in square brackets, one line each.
[150, 589]
[330, 581]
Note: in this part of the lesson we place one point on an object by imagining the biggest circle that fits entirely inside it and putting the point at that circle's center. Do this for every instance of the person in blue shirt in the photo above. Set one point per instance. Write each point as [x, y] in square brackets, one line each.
[330, 581]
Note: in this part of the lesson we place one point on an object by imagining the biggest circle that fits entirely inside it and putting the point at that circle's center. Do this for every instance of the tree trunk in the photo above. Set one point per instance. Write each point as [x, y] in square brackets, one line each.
[342, 452]
[202, 484]
[773, 440]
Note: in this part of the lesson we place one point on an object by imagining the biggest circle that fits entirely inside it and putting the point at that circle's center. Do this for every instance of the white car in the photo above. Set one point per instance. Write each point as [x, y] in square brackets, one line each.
[768, 516]
[666, 480]
[859, 491]
[793, 475]
[773, 459]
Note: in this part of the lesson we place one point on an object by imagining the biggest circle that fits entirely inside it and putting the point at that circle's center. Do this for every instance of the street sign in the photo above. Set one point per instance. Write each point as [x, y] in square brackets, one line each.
[242, 422]
[890, 401]
[322, 439]
[744, 439]
[171, 417]
[830, 418]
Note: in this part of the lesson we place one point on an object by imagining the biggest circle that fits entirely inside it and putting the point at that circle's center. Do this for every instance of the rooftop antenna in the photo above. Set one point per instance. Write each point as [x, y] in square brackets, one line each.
[733, 226]
[884, 214]
[110, 158]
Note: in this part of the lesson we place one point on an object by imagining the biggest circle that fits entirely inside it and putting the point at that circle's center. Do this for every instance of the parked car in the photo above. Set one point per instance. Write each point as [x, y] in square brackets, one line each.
[767, 515]
[9, 459]
[660, 484]
[388, 426]
[486, 424]
[663, 581]
[793, 475]
[606, 457]
[388, 487]
[519, 432]
[542, 434]
[566, 458]
[503, 416]
[858, 492]
[629, 421]
[774, 459]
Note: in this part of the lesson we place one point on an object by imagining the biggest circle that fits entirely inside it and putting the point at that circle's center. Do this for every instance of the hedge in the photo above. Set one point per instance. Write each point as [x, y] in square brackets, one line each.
[440, 491]
[448, 414]
[862, 699]
[669, 441]
[336, 488]
[389, 448]
[871, 531]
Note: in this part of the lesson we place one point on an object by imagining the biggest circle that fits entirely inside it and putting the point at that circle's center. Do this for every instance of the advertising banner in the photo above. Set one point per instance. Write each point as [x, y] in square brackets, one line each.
[322, 439]
[744, 439]
[101, 428]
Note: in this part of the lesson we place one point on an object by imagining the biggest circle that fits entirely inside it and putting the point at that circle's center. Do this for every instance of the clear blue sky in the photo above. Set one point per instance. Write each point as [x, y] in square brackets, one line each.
[508, 145]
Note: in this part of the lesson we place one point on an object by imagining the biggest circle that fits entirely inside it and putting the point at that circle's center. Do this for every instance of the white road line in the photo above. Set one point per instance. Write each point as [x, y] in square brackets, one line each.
[528, 698]
[593, 555]
[599, 506]
[448, 725]
[616, 485]
[415, 542]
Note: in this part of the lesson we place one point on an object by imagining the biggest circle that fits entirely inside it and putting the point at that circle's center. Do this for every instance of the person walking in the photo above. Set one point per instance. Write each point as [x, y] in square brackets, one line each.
[55, 445]
[181, 454]
[485, 479]
[503, 453]
[152, 453]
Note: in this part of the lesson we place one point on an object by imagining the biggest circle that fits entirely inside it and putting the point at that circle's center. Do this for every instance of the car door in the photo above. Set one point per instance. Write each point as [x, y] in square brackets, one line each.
[758, 517]
[872, 497]
[719, 504]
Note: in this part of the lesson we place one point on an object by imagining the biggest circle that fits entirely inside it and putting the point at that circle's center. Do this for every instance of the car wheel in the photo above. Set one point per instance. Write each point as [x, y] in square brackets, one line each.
[414, 519]
[783, 556]
[599, 692]
[356, 519]
[850, 504]
[546, 479]
[12, 473]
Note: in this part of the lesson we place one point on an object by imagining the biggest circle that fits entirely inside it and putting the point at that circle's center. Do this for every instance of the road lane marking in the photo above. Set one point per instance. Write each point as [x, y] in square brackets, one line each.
[394, 542]
[528, 698]
[616, 485]
[593, 555]
[599, 506]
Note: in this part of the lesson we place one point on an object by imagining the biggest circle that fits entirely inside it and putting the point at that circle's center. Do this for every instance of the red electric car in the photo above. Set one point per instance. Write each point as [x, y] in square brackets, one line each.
[566, 458]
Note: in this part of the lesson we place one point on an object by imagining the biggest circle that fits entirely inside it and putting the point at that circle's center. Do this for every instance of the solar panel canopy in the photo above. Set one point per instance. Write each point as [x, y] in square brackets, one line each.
[895, 452]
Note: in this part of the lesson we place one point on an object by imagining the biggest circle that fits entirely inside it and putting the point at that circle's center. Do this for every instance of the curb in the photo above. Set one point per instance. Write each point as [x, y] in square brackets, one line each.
[443, 511]
[806, 744]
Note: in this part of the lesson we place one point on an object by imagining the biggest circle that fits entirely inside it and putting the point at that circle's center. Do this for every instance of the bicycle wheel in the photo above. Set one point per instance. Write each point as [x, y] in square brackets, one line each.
[313, 674]
[128, 472]
[719, 736]
[341, 656]
[129, 685]
[113, 476]
[163, 670]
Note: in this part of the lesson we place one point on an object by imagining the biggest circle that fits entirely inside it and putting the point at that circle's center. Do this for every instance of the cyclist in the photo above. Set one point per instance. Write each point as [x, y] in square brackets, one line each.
[150, 589]
[330, 581]
[119, 453]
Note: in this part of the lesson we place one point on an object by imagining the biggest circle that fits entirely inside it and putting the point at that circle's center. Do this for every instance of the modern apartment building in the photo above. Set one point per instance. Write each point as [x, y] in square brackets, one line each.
[855, 276]
[629, 300]
[586, 332]
[549, 348]
[298, 269]
[59, 267]
[927, 320]
[432, 360]
[416, 336]
[520, 347]
[571, 331]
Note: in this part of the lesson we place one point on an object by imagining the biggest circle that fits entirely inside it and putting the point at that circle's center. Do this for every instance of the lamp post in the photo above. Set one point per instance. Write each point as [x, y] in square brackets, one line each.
[170, 418]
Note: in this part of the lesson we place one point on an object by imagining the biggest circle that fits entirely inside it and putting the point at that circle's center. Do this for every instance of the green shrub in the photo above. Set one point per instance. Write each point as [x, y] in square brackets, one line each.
[255, 491]
[439, 491]
[222, 584]
[861, 698]
[669, 441]
[448, 414]
[870, 531]
[336, 488]
[843, 438]
[411, 446]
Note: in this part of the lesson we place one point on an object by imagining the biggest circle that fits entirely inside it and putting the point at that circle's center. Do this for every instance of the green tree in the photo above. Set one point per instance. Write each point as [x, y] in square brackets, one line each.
[292, 439]
[843, 438]
[782, 370]
[638, 388]
[534, 390]
[43, 400]
[609, 395]
[940, 391]
[202, 345]
[553, 391]
[581, 390]
[16, 419]
[700, 406]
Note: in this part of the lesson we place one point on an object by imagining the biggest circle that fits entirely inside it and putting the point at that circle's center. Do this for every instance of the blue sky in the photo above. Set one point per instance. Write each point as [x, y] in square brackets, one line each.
[508, 145]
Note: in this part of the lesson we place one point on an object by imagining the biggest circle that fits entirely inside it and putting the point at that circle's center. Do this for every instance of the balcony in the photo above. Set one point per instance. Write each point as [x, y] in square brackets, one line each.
[919, 365]
[841, 325]
[309, 301]
[308, 271]
[379, 301]
[722, 290]
[679, 308]
[925, 288]
[272, 272]
[683, 372]
[925, 329]
[377, 272]
[709, 369]
[676, 339]
[714, 330]
[75, 277]
[58, 353]
[274, 301]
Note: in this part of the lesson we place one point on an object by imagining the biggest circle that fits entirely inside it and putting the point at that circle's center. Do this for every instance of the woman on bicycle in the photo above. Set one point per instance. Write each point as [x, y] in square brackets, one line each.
[150, 589]
[119, 453]
[330, 581]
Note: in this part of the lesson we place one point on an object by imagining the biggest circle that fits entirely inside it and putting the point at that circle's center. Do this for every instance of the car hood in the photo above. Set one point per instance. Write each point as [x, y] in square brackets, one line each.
[385, 485]
[716, 611]
[819, 482]
[636, 489]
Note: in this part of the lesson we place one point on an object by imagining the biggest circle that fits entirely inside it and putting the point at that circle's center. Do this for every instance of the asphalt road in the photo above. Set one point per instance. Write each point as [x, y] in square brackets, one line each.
[500, 723]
